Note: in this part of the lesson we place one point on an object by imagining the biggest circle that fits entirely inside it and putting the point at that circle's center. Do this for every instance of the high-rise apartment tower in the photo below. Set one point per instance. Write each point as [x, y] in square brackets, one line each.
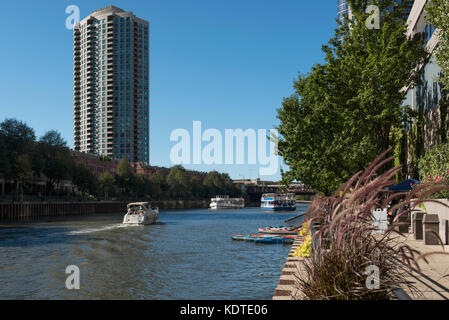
[342, 10]
[111, 85]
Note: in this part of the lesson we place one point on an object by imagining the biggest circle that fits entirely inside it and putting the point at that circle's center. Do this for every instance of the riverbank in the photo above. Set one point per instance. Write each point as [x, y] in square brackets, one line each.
[286, 289]
[35, 210]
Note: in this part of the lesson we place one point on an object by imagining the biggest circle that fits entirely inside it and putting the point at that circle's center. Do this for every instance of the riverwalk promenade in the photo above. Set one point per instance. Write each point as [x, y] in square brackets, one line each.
[431, 281]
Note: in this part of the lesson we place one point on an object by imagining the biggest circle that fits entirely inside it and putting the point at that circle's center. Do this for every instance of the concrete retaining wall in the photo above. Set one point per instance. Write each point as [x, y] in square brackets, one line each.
[286, 289]
[36, 210]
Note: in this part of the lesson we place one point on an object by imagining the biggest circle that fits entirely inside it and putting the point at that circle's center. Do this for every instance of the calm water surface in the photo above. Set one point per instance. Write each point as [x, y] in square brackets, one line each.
[188, 254]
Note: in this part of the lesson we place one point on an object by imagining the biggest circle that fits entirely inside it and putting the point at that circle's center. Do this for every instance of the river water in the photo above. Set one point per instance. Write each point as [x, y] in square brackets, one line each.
[188, 254]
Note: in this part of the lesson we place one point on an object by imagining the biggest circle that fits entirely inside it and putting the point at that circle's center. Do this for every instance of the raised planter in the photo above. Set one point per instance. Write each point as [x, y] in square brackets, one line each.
[441, 208]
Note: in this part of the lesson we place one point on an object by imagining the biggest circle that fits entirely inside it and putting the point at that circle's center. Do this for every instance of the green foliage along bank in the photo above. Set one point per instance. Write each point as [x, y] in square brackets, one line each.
[343, 113]
[40, 168]
[434, 167]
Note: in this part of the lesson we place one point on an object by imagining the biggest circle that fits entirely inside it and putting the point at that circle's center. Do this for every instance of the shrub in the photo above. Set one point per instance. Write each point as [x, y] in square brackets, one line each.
[305, 249]
[434, 166]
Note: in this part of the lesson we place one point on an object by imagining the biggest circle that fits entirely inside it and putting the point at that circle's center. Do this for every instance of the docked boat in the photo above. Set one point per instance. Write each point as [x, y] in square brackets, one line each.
[278, 201]
[279, 231]
[140, 213]
[225, 202]
[264, 238]
[270, 240]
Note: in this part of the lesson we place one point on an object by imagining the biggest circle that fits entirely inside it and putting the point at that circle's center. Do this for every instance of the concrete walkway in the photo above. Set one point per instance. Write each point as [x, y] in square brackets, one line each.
[433, 279]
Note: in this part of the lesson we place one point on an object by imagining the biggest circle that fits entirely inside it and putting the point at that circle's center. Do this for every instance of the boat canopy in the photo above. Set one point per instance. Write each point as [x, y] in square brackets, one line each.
[406, 185]
[145, 204]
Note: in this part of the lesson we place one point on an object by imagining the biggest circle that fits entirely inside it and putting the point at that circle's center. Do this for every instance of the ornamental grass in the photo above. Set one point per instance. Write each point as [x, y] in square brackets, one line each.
[350, 259]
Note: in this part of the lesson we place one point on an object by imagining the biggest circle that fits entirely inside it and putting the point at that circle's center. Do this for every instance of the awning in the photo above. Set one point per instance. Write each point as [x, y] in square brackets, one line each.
[404, 185]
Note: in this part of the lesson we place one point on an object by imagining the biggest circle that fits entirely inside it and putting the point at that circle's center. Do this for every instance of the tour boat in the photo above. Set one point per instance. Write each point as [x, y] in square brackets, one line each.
[140, 213]
[278, 201]
[225, 202]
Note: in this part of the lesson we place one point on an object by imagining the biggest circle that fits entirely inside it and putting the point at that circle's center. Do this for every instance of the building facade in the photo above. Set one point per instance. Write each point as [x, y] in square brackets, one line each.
[95, 164]
[343, 10]
[425, 97]
[111, 85]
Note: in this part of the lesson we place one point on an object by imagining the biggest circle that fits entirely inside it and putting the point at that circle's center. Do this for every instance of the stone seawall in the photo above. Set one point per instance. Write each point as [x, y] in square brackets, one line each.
[286, 289]
[36, 210]
[181, 204]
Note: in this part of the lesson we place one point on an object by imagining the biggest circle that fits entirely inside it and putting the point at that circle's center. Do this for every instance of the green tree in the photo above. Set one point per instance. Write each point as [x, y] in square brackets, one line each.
[53, 138]
[18, 141]
[19, 137]
[197, 187]
[178, 182]
[158, 185]
[107, 185]
[342, 113]
[216, 183]
[213, 184]
[56, 158]
[85, 180]
[24, 172]
[5, 165]
[124, 176]
[437, 15]
[142, 186]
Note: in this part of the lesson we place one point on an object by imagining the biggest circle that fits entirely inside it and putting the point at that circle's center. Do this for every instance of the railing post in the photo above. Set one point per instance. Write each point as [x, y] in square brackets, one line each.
[431, 230]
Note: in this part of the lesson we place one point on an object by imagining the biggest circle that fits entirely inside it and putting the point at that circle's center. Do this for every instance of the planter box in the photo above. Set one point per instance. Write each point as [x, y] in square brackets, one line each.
[442, 210]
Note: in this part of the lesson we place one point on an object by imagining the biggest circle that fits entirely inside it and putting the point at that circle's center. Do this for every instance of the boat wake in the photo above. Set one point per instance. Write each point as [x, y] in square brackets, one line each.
[105, 228]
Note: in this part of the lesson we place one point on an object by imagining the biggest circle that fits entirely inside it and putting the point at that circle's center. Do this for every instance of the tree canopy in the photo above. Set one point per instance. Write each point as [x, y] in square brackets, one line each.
[342, 113]
[437, 15]
[23, 159]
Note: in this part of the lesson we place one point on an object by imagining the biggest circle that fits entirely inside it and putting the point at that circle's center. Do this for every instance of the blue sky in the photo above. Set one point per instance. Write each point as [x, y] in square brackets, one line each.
[227, 64]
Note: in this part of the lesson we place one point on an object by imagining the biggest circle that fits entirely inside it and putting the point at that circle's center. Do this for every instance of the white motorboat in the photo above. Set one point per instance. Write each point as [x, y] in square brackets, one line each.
[224, 202]
[140, 213]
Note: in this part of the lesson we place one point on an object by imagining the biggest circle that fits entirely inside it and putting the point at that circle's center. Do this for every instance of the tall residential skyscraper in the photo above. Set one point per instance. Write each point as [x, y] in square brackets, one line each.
[111, 85]
[342, 9]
